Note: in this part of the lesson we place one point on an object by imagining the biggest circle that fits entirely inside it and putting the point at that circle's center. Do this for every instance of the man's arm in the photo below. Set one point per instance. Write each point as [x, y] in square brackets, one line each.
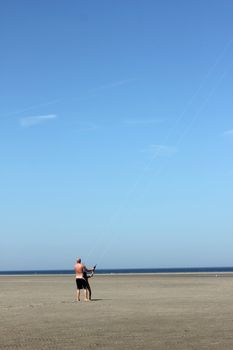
[88, 270]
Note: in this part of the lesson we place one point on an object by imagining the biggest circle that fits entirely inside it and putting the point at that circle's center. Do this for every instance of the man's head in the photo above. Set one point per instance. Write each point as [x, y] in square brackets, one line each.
[79, 260]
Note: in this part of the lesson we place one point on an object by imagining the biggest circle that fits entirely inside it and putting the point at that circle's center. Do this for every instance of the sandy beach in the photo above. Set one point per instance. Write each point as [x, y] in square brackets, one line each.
[127, 312]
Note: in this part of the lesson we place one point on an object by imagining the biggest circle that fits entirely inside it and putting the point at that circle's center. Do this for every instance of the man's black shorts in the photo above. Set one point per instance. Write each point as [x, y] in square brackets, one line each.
[81, 283]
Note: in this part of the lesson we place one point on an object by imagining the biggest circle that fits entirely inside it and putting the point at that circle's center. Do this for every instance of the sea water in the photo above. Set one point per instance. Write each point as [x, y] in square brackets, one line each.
[123, 271]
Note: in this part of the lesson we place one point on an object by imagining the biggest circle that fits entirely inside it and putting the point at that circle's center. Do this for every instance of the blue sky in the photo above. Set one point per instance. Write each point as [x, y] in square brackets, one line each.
[116, 133]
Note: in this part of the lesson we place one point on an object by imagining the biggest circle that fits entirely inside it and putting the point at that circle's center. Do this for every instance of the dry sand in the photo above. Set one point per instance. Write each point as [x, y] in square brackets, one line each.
[128, 312]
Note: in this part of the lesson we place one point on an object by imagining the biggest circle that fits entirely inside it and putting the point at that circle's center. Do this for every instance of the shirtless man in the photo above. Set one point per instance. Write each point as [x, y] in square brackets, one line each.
[80, 281]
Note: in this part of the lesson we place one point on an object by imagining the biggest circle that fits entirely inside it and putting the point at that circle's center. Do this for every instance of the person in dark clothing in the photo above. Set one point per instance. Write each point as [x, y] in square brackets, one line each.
[86, 278]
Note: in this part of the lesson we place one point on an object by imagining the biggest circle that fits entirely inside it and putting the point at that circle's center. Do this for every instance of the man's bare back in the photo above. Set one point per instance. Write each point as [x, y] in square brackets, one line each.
[79, 268]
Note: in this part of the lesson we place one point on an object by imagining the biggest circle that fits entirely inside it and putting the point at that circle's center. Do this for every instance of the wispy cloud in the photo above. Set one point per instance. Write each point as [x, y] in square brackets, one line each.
[96, 91]
[35, 120]
[112, 85]
[228, 132]
[142, 122]
[155, 151]
[28, 108]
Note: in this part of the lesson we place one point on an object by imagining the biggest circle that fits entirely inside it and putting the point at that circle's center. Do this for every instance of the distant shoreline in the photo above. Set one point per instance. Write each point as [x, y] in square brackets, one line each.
[112, 272]
[161, 274]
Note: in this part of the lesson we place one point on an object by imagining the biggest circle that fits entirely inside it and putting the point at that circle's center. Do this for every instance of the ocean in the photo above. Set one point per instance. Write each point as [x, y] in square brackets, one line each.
[123, 271]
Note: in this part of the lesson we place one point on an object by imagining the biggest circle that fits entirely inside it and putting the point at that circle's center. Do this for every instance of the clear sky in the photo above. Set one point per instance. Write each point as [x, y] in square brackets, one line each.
[116, 133]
